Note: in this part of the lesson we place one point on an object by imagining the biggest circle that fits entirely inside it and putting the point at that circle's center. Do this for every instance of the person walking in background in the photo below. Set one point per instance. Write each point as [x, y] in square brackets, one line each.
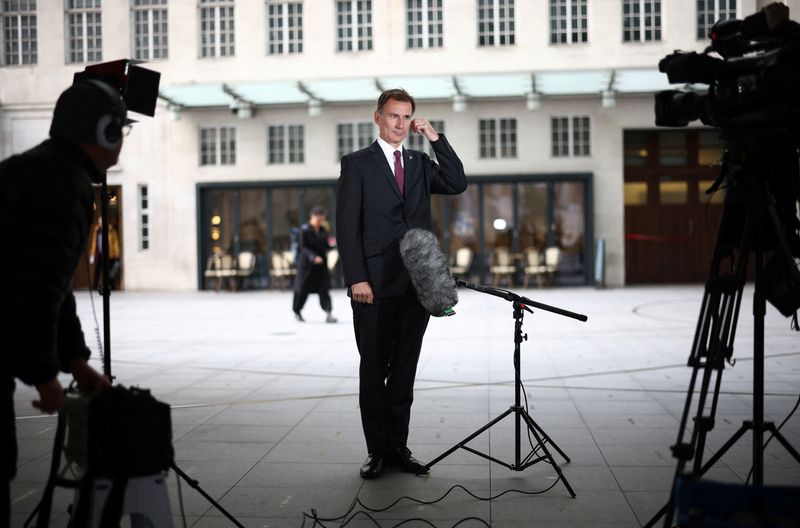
[383, 191]
[312, 265]
[96, 254]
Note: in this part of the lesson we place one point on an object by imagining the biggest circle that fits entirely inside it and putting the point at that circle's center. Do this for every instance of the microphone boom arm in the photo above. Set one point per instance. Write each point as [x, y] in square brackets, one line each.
[513, 297]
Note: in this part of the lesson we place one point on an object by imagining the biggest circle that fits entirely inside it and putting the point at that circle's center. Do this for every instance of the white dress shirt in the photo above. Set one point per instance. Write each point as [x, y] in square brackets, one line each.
[388, 151]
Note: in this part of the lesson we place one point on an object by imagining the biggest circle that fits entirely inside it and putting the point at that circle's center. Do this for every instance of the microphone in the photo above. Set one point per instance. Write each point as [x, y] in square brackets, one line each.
[429, 273]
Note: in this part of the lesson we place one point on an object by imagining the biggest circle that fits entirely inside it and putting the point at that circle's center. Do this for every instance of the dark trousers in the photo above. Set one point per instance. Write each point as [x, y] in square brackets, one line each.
[8, 446]
[389, 338]
[300, 300]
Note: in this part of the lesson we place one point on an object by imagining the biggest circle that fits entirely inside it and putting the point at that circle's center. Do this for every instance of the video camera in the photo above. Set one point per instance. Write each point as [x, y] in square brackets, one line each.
[752, 68]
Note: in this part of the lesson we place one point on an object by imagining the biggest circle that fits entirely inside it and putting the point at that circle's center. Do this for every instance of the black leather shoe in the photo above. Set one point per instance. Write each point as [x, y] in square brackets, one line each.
[373, 466]
[407, 463]
[299, 317]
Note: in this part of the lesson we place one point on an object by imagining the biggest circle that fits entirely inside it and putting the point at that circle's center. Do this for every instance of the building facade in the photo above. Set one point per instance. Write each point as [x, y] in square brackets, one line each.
[549, 103]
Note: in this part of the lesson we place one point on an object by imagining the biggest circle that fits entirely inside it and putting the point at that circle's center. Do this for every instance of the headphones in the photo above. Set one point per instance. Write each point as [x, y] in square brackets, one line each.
[84, 116]
[108, 131]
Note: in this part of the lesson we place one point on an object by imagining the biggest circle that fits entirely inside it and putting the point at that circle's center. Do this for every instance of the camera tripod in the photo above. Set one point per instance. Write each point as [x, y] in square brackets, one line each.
[716, 328]
[520, 305]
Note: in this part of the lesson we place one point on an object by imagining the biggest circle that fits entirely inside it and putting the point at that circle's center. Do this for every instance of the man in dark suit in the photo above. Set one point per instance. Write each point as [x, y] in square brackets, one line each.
[384, 190]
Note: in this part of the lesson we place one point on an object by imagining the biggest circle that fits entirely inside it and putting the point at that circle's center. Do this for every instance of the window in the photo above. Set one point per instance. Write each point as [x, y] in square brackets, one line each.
[19, 32]
[498, 138]
[353, 25]
[353, 136]
[570, 136]
[218, 146]
[150, 36]
[419, 142]
[641, 20]
[144, 218]
[286, 144]
[495, 22]
[216, 28]
[84, 34]
[710, 11]
[424, 24]
[284, 27]
[568, 21]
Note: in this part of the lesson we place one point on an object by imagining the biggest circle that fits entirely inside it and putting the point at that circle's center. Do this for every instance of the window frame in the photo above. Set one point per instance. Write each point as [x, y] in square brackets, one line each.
[573, 140]
[87, 56]
[419, 34]
[497, 138]
[143, 202]
[356, 41]
[637, 32]
[216, 49]
[287, 147]
[221, 151]
[279, 38]
[488, 15]
[18, 40]
[573, 33]
[150, 7]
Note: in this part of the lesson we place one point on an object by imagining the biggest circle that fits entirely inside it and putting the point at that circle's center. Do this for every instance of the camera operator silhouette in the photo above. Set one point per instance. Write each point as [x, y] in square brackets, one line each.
[46, 211]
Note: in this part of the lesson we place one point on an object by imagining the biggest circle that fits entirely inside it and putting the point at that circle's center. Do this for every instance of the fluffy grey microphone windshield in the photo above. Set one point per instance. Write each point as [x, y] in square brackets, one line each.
[429, 273]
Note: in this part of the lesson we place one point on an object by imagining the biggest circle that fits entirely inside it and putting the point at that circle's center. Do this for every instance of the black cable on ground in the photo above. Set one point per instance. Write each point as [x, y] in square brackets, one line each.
[349, 515]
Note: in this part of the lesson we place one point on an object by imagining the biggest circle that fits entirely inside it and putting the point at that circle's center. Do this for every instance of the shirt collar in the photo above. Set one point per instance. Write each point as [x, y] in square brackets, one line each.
[388, 150]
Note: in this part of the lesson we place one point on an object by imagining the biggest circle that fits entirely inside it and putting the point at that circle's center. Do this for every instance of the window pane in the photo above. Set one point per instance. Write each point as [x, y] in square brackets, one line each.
[532, 215]
[672, 148]
[569, 226]
[635, 193]
[673, 192]
[635, 148]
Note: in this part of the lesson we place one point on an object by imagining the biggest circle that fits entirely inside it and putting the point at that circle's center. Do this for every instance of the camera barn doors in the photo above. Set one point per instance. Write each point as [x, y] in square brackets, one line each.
[670, 223]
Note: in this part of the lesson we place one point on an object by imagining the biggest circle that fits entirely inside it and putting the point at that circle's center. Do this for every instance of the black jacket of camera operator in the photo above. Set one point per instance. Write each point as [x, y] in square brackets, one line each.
[46, 210]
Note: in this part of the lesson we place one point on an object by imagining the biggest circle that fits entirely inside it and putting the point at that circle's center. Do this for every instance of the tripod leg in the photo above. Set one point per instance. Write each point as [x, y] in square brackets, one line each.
[724, 449]
[196, 486]
[785, 443]
[548, 456]
[532, 423]
[42, 510]
[468, 439]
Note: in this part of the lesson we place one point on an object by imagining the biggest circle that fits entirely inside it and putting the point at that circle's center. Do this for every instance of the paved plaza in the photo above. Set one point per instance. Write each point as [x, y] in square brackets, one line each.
[265, 409]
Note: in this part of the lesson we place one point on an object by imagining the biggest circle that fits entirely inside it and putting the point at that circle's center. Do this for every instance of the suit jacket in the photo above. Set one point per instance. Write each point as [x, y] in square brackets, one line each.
[372, 216]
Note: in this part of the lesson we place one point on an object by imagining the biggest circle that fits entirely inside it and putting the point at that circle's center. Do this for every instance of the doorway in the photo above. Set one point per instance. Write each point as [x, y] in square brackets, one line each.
[670, 221]
[84, 274]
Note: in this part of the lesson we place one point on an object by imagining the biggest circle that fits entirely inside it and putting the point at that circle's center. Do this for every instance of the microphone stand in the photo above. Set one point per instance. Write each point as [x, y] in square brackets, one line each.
[520, 305]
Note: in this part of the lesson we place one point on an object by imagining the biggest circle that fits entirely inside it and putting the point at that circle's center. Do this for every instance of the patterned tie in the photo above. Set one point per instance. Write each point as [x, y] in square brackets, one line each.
[398, 171]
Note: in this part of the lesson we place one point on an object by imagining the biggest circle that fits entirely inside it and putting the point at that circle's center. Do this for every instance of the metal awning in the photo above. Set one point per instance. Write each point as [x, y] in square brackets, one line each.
[423, 87]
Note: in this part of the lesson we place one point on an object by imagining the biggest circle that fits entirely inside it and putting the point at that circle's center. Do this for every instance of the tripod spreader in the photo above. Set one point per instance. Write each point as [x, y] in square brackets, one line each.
[513, 297]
